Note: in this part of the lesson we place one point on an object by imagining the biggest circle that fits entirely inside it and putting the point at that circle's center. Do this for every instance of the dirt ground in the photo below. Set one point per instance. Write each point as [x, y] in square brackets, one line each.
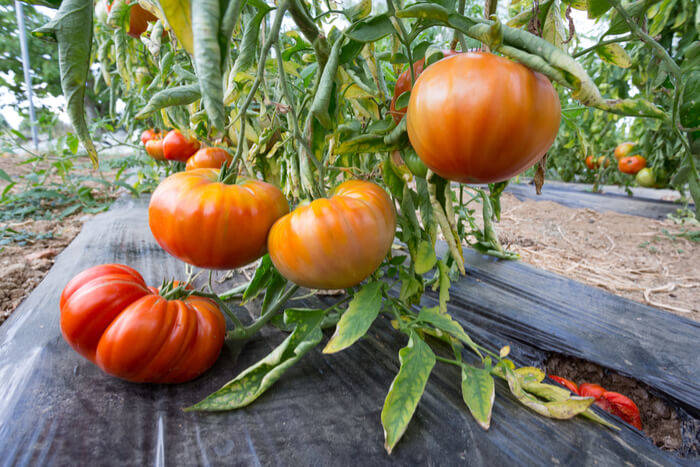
[645, 260]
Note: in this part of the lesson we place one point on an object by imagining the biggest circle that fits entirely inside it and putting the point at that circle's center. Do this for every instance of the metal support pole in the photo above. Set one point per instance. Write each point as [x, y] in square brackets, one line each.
[27, 72]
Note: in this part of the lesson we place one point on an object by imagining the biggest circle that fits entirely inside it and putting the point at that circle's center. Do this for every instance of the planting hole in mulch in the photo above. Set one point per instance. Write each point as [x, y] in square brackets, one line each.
[668, 426]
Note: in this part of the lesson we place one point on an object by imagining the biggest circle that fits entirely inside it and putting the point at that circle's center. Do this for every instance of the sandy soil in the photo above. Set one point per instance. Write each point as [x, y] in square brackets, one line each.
[646, 260]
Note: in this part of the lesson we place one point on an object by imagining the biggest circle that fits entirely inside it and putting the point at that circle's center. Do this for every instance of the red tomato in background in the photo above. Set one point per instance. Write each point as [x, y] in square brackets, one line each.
[403, 84]
[591, 163]
[623, 150]
[481, 118]
[209, 224]
[110, 317]
[336, 242]
[154, 148]
[148, 135]
[178, 148]
[631, 164]
[208, 158]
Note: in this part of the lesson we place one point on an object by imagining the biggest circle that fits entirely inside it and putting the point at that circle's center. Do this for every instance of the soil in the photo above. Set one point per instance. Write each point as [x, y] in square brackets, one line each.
[649, 261]
[660, 421]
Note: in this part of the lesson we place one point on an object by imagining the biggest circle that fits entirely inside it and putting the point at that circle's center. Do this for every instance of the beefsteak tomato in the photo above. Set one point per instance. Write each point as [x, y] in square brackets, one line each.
[110, 317]
[213, 225]
[154, 148]
[631, 164]
[336, 242]
[480, 118]
[178, 148]
[208, 158]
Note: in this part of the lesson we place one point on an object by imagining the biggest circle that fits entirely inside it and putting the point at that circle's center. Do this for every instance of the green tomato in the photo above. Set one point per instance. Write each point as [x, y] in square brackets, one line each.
[646, 178]
[415, 165]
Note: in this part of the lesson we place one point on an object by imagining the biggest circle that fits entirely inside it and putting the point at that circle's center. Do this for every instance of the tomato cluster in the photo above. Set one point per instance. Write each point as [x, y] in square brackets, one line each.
[612, 402]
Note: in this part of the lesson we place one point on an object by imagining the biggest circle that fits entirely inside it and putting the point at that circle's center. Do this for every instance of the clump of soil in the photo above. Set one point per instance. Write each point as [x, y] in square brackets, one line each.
[24, 264]
[646, 260]
[660, 421]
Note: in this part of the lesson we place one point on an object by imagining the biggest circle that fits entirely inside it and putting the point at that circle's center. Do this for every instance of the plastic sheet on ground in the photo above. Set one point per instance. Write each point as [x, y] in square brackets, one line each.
[58, 409]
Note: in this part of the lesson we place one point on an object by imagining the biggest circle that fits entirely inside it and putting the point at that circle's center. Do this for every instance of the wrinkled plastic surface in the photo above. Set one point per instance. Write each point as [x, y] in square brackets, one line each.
[58, 409]
[574, 196]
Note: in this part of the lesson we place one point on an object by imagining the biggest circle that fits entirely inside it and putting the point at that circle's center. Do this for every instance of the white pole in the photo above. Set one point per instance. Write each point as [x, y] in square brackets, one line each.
[27, 72]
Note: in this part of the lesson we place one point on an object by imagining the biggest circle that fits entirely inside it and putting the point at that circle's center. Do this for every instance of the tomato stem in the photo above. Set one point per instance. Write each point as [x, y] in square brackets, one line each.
[246, 332]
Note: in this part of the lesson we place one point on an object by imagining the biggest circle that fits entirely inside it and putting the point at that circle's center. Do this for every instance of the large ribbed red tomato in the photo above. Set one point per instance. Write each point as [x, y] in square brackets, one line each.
[176, 147]
[110, 317]
[631, 164]
[213, 225]
[403, 84]
[478, 118]
[336, 242]
[208, 158]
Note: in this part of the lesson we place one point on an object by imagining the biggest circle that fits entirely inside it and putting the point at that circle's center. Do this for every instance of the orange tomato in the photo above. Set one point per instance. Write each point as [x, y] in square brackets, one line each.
[591, 163]
[480, 118]
[336, 242]
[603, 162]
[138, 20]
[178, 148]
[110, 317]
[631, 164]
[623, 150]
[148, 135]
[208, 158]
[403, 84]
[154, 148]
[209, 224]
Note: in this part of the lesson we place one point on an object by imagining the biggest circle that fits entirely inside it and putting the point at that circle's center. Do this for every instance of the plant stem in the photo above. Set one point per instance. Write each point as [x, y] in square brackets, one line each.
[309, 29]
[237, 290]
[247, 332]
[237, 322]
[448, 360]
[602, 43]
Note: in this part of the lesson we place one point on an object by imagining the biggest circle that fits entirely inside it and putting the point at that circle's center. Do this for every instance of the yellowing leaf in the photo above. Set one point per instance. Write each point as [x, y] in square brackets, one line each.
[177, 13]
[615, 54]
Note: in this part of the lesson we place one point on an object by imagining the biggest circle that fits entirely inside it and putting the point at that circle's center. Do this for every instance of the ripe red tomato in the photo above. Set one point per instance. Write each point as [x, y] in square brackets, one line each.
[631, 164]
[110, 317]
[624, 408]
[336, 242]
[209, 224]
[154, 148]
[208, 158]
[623, 150]
[480, 118]
[568, 384]
[148, 135]
[178, 148]
[403, 84]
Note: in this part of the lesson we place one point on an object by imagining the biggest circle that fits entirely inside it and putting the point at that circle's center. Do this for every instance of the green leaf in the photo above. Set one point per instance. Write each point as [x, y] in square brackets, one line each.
[231, 10]
[597, 8]
[417, 361]
[553, 30]
[255, 380]
[5, 176]
[402, 100]
[371, 29]
[207, 59]
[425, 257]
[614, 54]
[361, 313]
[260, 279]
[249, 43]
[360, 10]
[322, 99]
[444, 284]
[562, 409]
[690, 107]
[478, 392]
[177, 13]
[445, 323]
[72, 29]
[180, 95]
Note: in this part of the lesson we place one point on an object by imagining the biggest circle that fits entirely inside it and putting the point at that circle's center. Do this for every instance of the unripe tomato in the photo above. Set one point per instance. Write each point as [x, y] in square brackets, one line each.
[480, 118]
[646, 178]
[415, 165]
[110, 317]
[336, 242]
[623, 150]
[209, 224]
[403, 84]
[148, 135]
[208, 158]
[178, 148]
[154, 148]
[591, 163]
[631, 164]
[603, 162]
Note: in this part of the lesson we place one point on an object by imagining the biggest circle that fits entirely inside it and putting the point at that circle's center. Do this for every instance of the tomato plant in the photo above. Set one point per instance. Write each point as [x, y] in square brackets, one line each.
[110, 317]
[307, 99]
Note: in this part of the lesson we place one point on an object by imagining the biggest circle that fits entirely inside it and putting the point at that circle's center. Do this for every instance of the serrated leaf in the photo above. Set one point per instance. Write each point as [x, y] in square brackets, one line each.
[255, 380]
[614, 54]
[478, 392]
[425, 257]
[446, 323]
[177, 13]
[417, 361]
[358, 11]
[354, 323]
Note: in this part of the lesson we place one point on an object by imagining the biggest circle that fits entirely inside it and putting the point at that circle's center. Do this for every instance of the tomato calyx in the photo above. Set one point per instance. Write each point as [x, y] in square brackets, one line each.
[227, 174]
[175, 290]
